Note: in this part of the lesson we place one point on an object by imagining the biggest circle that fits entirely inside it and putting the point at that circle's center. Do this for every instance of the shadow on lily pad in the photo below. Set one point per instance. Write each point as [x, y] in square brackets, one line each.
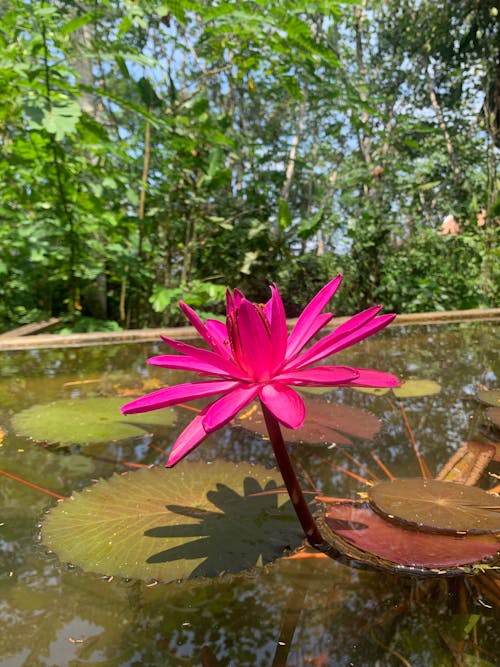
[156, 524]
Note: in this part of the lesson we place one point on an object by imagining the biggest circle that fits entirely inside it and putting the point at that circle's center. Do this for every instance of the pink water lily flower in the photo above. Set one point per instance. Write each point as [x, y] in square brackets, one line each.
[253, 356]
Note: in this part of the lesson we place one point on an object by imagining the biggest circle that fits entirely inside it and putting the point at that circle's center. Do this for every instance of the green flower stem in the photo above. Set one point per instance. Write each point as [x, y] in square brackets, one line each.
[300, 505]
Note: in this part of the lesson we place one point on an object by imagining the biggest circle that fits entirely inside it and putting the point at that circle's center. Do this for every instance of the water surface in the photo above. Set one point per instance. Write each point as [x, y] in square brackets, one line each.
[293, 612]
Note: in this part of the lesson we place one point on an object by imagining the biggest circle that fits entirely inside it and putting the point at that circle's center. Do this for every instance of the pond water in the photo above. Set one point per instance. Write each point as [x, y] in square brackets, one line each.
[293, 611]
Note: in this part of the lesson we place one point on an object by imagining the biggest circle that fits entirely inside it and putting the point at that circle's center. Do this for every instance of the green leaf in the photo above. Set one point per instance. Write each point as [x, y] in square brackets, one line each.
[417, 388]
[77, 23]
[284, 215]
[61, 118]
[87, 421]
[376, 391]
[197, 520]
[429, 185]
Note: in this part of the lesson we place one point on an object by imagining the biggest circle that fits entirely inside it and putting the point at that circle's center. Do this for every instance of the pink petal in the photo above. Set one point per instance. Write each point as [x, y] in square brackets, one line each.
[224, 409]
[218, 332]
[197, 323]
[307, 325]
[190, 438]
[179, 362]
[330, 344]
[277, 321]
[225, 366]
[163, 398]
[233, 300]
[357, 321]
[319, 375]
[251, 341]
[238, 297]
[229, 302]
[285, 404]
[369, 378]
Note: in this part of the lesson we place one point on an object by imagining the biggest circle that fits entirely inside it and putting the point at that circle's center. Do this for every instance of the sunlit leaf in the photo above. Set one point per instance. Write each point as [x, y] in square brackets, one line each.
[432, 505]
[490, 397]
[325, 423]
[357, 525]
[86, 420]
[417, 388]
[77, 23]
[197, 520]
[409, 389]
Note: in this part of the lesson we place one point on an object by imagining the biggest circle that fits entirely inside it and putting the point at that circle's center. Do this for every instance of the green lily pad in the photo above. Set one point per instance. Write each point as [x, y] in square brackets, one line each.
[375, 391]
[436, 506]
[318, 391]
[417, 388]
[490, 397]
[200, 519]
[409, 389]
[86, 420]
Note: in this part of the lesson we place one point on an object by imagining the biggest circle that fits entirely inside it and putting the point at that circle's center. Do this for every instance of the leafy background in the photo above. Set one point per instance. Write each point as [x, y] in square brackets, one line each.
[157, 150]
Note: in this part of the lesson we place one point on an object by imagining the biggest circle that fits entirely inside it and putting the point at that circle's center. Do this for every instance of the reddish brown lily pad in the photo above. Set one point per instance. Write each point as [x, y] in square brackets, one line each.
[434, 506]
[365, 536]
[325, 423]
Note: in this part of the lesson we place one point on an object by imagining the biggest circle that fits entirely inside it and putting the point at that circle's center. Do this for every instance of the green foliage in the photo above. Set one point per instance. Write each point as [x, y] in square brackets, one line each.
[150, 149]
[201, 295]
[432, 272]
[76, 323]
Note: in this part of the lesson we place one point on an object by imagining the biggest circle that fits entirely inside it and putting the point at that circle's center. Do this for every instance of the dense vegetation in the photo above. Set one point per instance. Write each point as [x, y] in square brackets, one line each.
[155, 150]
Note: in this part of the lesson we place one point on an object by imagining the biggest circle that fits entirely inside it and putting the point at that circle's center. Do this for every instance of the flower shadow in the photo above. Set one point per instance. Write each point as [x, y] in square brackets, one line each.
[245, 530]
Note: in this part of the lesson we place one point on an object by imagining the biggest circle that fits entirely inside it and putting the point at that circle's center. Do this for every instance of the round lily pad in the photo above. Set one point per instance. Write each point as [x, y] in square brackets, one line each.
[417, 388]
[325, 423]
[436, 506]
[490, 397]
[318, 391]
[363, 535]
[200, 519]
[86, 420]
[376, 391]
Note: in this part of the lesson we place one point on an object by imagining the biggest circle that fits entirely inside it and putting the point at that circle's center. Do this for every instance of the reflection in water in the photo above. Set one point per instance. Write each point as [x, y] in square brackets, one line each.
[304, 612]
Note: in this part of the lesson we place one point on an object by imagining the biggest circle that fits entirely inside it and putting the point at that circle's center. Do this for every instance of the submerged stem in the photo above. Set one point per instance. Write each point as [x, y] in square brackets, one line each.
[299, 503]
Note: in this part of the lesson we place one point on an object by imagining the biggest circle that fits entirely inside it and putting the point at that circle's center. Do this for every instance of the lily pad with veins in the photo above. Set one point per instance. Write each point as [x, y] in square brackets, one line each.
[435, 506]
[325, 423]
[367, 538]
[85, 421]
[201, 520]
